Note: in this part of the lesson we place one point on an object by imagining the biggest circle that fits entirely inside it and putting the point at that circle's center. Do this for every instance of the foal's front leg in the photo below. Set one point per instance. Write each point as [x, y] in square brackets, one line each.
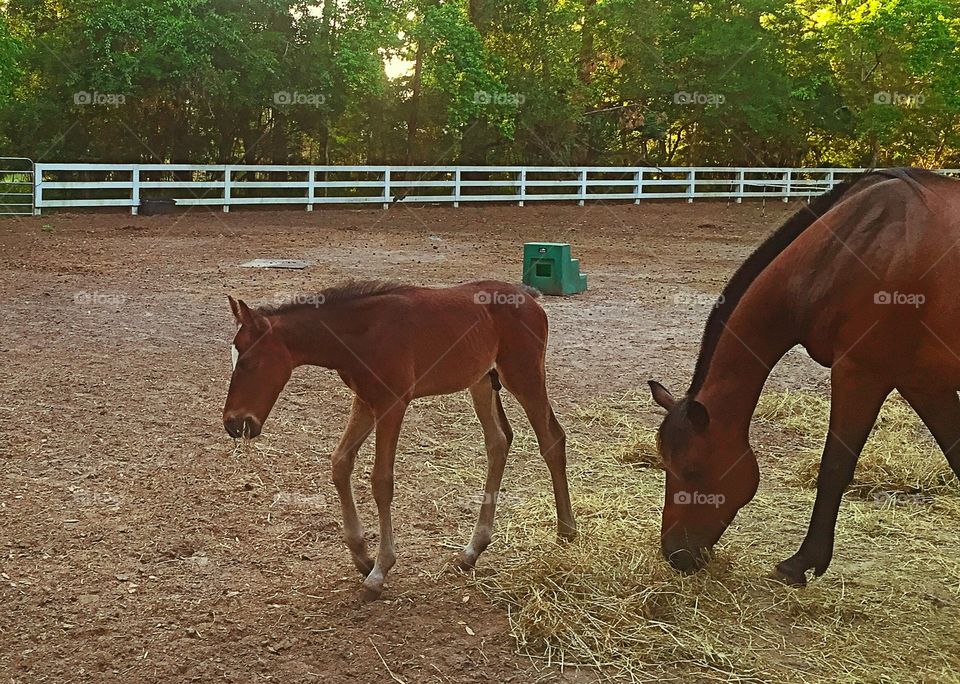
[388, 432]
[358, 429]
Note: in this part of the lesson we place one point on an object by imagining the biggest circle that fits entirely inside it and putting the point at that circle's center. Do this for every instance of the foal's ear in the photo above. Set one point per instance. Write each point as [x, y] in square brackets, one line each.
[698, 415]
[247, 316]
[235, 308]
[661, 395]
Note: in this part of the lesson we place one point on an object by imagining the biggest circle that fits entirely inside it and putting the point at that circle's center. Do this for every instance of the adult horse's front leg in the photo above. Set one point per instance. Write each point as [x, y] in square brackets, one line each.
[359, 427]
[388, 432]
[855, 401]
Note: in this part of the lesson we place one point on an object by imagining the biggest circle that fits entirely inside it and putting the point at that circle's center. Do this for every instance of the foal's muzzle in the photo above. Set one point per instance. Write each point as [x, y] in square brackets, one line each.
[242, 426]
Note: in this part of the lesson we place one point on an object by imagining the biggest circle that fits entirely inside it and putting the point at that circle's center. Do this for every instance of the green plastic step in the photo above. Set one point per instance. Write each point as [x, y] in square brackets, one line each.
[549, 267]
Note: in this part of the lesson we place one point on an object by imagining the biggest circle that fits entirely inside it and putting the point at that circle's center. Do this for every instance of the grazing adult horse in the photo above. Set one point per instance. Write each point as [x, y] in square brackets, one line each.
[866, 279]
[391, 344]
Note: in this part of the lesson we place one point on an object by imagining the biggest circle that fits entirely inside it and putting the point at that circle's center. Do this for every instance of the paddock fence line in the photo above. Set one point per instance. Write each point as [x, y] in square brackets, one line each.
[74, 186]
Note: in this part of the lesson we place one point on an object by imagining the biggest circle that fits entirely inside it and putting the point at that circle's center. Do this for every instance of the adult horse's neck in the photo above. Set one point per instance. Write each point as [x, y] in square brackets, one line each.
[758, 333]
[317, 335]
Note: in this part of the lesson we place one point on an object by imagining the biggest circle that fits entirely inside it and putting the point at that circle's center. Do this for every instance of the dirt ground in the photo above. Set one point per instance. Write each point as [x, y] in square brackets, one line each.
[138, 544]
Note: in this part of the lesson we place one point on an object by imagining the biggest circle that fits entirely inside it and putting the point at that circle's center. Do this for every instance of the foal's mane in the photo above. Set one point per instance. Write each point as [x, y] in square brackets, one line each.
[769, 250]
[346, 292]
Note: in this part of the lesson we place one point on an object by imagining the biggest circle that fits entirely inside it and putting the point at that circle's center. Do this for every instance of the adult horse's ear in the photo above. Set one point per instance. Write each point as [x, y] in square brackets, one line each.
[661, 395]
[698, 415]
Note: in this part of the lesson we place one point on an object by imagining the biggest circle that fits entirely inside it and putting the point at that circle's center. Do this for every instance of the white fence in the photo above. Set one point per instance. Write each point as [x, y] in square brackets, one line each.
[68, 186]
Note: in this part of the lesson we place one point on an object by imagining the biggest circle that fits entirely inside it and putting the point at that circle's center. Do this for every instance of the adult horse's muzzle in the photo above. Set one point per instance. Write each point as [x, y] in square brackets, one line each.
[242, 426]
[683, 554]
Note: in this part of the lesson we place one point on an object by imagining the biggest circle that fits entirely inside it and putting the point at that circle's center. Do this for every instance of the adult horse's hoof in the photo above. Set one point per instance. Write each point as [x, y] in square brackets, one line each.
[785, 575]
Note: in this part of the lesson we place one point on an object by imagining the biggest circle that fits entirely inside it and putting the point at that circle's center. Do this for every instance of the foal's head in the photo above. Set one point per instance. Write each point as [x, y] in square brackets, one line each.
[261, 367]
[711, 474]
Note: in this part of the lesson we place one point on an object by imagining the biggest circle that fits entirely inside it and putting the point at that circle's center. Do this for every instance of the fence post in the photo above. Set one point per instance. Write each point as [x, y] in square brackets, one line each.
[456, 187]
[638, 185]
[37, 189]
[830, 180]
[787, 182]
[691, 185]
[386, 188]
[523, 186]
[311, 187]
[135, 190]
[741, 175]
[226, 190]
[583, 187]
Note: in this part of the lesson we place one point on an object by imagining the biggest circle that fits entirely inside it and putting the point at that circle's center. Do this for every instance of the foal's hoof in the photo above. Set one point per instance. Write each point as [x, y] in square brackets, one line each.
[785, 575]
[368, 594]
[466, 562]
[565, 536]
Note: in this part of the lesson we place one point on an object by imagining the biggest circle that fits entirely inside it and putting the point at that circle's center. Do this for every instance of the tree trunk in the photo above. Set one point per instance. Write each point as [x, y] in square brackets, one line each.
[416, 87]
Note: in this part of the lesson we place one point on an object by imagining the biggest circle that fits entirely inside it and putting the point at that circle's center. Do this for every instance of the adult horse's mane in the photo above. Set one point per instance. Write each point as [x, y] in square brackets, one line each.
[344, 292]
[769, 250]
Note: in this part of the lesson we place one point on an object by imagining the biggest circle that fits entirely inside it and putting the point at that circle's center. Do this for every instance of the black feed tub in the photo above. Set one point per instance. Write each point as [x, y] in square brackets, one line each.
[157, 207]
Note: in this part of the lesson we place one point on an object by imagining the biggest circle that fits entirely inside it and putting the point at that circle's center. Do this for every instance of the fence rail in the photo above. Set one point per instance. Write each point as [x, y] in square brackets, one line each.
[65, 186]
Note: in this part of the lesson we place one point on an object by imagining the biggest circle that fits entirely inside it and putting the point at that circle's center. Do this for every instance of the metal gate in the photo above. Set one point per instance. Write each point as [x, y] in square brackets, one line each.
[16, 186]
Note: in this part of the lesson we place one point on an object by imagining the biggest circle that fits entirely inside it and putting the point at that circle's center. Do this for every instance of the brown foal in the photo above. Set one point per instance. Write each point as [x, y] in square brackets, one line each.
[391, 344]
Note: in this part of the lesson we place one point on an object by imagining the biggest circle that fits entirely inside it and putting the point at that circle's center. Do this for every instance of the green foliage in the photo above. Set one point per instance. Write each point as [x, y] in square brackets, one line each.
[751, 82]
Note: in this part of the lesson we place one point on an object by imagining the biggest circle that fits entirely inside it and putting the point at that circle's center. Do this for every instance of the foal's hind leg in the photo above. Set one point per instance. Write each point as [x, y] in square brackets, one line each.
[388, 425]
[497, 437]
[940, 412]
[526, 380]
[358, 429]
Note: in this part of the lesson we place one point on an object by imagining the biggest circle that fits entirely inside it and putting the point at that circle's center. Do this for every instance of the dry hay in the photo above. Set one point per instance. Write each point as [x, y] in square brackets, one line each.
[900, 458]
[886, 611]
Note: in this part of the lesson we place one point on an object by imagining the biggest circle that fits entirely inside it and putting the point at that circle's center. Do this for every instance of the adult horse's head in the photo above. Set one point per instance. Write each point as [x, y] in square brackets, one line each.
[261, 367]
[711, 474]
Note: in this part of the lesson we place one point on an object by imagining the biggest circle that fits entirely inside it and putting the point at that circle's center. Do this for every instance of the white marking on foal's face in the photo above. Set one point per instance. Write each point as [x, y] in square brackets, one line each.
[234, 353]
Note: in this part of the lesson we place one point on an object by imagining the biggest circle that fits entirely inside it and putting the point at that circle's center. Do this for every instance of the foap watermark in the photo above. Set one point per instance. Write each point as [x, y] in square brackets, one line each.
[914, 299]
[698, 499]
[85, 298]
[86, 98]
[482, 97]
[909, 100]
[480, 498]
[315, 300]
[495, 297]
[884, 499]
[697, 299]
[86, 497]
[299, 500]
[285, 98]
[697, 98]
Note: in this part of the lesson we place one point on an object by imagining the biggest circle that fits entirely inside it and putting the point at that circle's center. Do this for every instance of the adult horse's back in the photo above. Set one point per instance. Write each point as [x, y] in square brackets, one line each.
[867, 279]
